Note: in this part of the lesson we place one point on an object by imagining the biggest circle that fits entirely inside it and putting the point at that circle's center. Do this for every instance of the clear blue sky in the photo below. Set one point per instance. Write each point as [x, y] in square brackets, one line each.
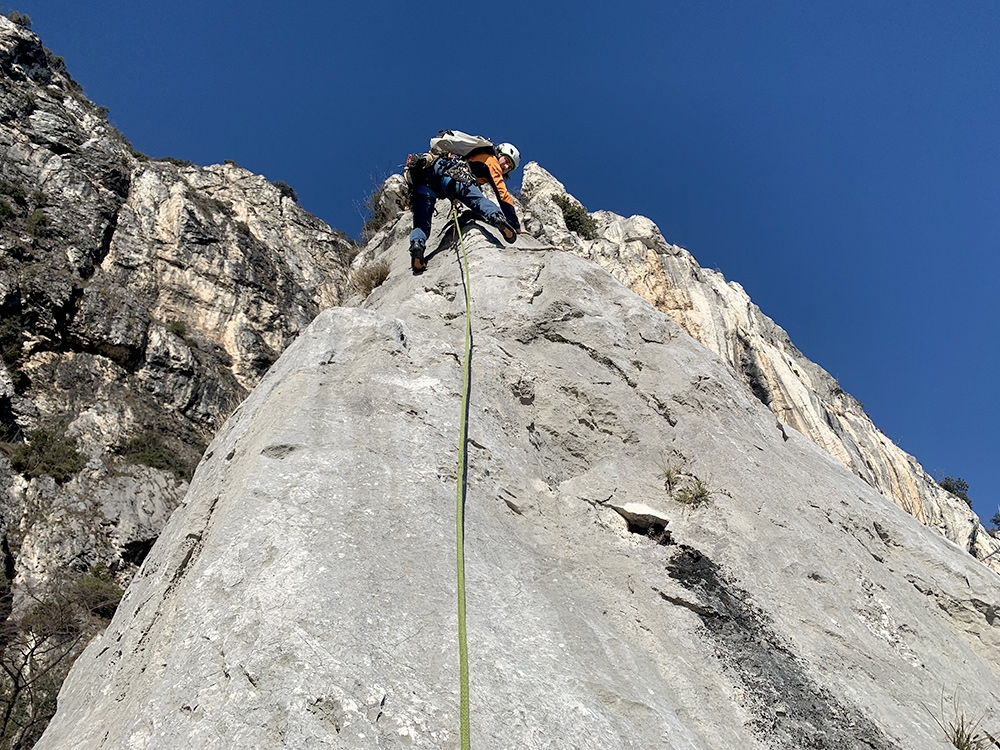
[841, 160]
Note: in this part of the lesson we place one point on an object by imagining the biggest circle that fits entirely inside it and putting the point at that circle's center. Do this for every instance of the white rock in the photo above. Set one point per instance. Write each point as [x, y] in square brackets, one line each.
[305, 594]
[721, 316]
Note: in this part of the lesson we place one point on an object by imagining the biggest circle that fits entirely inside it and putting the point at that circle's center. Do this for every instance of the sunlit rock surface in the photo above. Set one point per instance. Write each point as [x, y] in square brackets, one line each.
[721, 316]
[652, 559]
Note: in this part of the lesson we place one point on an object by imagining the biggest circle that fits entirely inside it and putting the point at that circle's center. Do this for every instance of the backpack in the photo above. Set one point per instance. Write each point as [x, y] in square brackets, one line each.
[416, 166]
[458, 143]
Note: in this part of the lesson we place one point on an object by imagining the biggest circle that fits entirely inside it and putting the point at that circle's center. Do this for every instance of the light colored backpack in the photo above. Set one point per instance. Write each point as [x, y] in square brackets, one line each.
[458, 143]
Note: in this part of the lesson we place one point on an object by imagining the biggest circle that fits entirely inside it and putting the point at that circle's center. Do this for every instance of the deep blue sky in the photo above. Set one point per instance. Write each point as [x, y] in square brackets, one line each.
[841, 160]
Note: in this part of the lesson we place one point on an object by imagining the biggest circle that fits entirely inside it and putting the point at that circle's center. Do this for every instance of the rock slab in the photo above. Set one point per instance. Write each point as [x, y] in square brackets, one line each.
[304, 596]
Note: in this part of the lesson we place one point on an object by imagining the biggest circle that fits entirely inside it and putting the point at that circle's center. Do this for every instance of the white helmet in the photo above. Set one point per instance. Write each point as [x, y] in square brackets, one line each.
[508, 150]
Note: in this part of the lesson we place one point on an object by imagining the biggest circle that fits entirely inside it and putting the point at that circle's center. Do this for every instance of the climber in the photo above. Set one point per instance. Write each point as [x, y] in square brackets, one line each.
[433, 177]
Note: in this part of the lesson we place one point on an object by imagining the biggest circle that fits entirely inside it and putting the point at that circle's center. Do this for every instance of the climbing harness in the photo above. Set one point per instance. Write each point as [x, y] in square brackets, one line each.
[460, 171]
[463, 648]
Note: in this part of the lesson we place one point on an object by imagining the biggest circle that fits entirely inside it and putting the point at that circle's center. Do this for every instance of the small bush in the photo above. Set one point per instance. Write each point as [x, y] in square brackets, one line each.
[10, 342]
[695, 492]
[964, 733]
[178, 328]
[957, 487]
[39, 224]
[149, 449]
[6, 213]
[370, 276]
[576, 217]
[377, 215]
[208, 205]
[682, 485]
[14, 190]
[176, 162]
[49, 452]
[671, 476]
[286, 190]
[56, 62]
[21, 19]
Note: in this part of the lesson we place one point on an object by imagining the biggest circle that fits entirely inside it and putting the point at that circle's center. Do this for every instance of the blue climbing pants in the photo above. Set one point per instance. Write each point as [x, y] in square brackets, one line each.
[436, 184]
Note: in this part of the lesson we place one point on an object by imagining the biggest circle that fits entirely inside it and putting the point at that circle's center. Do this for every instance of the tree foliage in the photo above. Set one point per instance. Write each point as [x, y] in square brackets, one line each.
[957, 487]
[21, 19]
[38, 645]
[576, 217]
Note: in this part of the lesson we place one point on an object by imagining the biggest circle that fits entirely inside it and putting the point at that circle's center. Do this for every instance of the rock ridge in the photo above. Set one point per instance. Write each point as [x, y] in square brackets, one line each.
[721, 316]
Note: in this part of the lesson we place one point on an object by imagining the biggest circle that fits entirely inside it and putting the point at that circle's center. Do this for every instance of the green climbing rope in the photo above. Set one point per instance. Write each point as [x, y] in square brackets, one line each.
[463, 646]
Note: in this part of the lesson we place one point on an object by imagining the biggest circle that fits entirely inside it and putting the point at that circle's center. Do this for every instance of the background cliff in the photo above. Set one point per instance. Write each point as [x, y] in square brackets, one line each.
[140, 301]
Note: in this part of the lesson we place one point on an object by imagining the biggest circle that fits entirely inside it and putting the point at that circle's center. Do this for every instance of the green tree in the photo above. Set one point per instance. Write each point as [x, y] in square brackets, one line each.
[21, 19]
[957, 487]
[576, 217]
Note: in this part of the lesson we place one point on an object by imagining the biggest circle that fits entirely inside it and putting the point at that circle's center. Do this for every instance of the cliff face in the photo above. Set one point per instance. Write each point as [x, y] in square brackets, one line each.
[638, 521]
[721, 316]
[140, 301]
[652, 560]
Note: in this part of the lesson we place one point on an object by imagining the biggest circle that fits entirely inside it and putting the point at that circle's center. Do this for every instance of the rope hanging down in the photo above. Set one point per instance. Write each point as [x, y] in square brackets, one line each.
[463, 648]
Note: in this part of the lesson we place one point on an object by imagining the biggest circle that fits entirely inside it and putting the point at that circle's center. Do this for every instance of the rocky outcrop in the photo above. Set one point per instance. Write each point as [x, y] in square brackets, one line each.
[721, 316]
[626, 480]
[652, 560]
[140, 301]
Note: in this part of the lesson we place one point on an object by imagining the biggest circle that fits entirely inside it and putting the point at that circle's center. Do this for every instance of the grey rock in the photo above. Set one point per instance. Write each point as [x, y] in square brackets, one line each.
[721, 316]
[304, 595]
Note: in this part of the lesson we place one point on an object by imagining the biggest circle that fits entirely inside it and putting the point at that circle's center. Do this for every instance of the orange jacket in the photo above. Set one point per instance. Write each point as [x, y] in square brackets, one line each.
[485, 168]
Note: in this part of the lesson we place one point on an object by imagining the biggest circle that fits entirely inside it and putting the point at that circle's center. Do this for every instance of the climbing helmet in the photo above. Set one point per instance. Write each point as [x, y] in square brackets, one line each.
[511, 152]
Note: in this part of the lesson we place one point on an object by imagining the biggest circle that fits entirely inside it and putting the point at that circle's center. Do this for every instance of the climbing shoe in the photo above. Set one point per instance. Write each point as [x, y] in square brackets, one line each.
[417, 262]
[509, 233]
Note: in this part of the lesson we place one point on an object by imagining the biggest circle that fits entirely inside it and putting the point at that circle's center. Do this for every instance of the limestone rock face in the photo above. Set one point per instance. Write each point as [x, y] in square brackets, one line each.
[721, 316]
[140, 301]
[652, 560]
